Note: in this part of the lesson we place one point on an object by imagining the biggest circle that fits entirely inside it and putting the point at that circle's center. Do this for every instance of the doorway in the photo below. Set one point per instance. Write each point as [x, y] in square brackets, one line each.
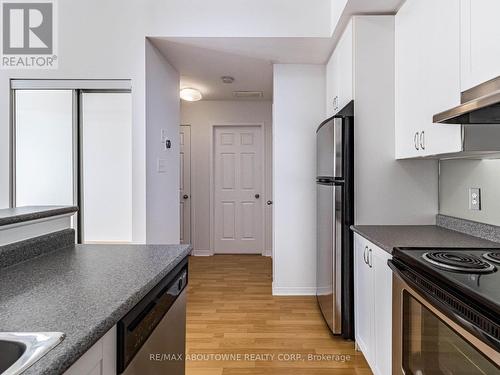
[237, 184]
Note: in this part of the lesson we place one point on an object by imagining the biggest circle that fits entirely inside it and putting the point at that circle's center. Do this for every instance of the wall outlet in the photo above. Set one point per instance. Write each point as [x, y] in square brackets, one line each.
[475, 199]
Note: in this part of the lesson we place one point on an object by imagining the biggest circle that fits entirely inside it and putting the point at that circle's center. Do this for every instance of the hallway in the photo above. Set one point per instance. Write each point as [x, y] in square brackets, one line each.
[236, 327]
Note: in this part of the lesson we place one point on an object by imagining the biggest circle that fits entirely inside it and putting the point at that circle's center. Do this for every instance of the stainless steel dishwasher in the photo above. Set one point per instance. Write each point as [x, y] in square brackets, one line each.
[152, 336]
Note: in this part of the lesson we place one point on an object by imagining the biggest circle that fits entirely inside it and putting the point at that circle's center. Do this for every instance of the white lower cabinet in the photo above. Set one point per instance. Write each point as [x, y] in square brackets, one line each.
[373, 305]
[100, 359]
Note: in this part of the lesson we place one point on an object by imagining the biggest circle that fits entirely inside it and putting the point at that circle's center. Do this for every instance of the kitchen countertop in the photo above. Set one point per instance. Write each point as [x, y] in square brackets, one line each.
[81, 290]
[16, 215]
[390, 236]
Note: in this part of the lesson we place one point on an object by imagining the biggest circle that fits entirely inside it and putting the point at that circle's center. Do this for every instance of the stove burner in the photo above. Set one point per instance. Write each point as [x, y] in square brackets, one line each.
[458, 262]
[492, 256]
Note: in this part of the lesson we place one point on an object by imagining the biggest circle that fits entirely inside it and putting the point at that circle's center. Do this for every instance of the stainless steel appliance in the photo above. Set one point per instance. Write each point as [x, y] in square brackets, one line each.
[446, 311]
[335, 211]
[477, 115]
[152, 336]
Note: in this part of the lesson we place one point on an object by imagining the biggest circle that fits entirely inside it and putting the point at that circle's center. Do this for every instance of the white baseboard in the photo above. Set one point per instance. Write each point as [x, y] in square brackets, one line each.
[294, 291]
[202, 253]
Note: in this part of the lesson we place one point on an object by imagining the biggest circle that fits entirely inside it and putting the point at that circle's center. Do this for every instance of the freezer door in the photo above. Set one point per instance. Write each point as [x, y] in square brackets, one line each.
[329, 254]
[330, 149]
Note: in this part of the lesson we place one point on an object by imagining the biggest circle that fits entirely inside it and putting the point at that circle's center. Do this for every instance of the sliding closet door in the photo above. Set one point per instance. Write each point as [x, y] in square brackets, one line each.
[44, 170]
[106, 153]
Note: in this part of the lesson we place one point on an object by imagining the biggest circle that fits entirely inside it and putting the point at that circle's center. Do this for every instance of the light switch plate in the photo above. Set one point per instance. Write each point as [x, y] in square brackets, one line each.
[163, 135]
[161, 166]
[475, 199]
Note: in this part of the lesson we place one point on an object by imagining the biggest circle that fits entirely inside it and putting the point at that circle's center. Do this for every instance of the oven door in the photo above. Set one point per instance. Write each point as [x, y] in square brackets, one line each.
[426, 342]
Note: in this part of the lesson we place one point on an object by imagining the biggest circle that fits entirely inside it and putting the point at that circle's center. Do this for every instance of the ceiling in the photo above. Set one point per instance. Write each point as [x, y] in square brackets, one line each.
[202, 61]
[202, 69]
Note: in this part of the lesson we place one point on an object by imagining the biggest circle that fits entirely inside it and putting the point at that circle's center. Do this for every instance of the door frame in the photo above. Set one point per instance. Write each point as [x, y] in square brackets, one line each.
[224, 124]
[192, 205]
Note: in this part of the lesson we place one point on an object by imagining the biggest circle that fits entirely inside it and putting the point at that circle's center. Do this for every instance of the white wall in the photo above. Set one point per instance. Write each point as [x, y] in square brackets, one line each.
[200, 116]
[278, 18]
[94, 51]
[112, 46]
[336, 9]
[299, 107]
[162, 113]
[387, 191]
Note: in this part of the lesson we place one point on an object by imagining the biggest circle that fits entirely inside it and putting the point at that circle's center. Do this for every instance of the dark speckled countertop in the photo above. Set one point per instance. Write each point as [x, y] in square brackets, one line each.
[16, 215]
[81, 290]
[390, 236]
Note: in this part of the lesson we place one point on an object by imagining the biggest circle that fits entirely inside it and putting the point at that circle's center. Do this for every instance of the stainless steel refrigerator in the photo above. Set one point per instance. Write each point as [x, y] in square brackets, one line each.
[335, 215]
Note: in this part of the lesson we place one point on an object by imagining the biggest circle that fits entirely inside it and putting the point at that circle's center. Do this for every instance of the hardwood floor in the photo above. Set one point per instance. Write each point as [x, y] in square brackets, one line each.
[231, 312]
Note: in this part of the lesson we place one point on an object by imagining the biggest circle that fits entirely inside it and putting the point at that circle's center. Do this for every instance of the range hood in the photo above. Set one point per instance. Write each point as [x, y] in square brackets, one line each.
[479, 105]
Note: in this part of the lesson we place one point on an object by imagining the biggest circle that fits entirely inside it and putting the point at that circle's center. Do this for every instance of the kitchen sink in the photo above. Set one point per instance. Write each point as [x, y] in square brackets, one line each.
[19, 350]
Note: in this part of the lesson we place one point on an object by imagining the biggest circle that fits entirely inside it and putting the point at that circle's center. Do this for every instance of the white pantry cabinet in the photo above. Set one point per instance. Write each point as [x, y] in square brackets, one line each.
[373, 305]
[480, 41]
[100, 359]
[339, 73]
[427, 77]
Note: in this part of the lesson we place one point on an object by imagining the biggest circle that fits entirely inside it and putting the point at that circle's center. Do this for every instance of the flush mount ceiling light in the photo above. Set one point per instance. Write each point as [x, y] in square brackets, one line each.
[191, 95]
[227, 79]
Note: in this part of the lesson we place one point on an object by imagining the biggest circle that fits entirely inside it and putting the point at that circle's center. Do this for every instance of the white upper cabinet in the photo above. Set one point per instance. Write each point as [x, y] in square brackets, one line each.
[339, 74]
[332, 81]
[345, 65]
[480, 41]
[427, 49]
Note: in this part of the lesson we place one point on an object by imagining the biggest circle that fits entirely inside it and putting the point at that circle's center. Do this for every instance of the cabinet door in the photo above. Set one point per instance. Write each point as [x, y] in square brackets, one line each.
[480, 41]
[427, 76]
[332, 84]
[363, 299]
[382, 283]
[345, 67]
[100, 359]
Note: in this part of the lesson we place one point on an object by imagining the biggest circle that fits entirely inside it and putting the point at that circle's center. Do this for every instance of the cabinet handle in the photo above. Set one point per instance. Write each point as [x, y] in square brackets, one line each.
[365, 255]
[415, 141]
[422, 140]
[370, 257]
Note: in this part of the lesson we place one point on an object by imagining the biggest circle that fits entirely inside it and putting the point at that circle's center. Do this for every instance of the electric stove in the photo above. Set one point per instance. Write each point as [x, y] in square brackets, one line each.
[448, 300]
[471, 274]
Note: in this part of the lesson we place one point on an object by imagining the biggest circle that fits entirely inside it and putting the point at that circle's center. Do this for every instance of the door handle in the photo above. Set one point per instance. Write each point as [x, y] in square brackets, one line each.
[415, 140]
[269, 203]
[257, 196]
[185, 196]
[422, 140]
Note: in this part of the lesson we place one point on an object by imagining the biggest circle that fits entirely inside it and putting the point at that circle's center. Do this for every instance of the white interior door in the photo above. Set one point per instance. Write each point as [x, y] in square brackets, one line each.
[238, 189]
[185, 183]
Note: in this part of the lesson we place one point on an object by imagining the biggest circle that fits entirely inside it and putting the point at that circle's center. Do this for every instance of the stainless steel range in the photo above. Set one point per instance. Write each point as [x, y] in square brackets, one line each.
[446, 311]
